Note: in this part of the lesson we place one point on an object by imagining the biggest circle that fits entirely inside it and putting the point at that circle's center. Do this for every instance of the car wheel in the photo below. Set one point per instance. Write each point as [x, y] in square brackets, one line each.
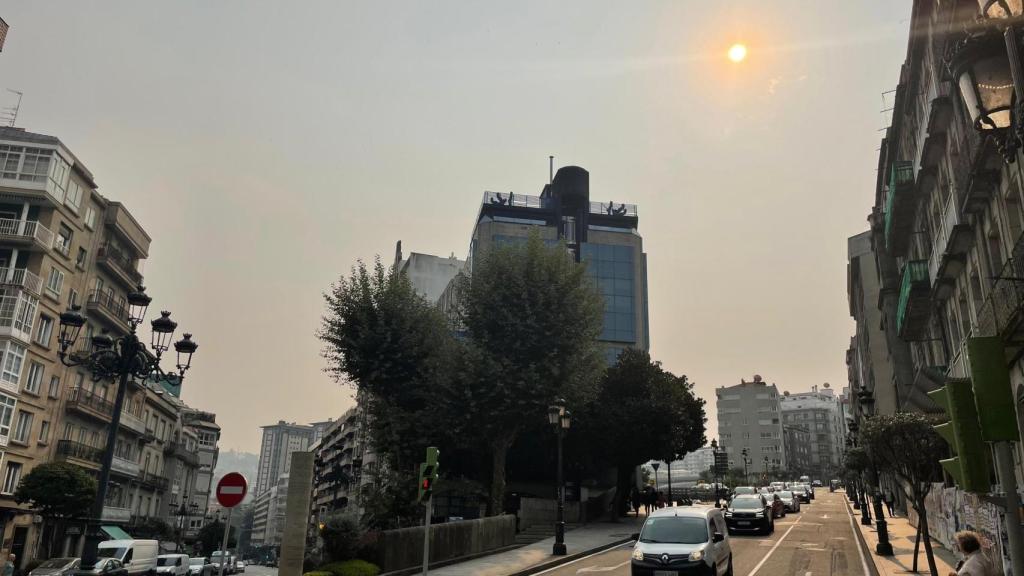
[728, 571]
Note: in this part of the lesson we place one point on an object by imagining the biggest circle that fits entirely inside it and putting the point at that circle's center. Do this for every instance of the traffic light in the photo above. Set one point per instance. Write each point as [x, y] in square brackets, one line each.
[428, 474]
[970, 467]
[993, 393]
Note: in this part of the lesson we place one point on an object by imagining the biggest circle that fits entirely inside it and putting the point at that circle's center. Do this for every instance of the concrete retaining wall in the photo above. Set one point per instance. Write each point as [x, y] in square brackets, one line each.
[543, 511]
[403, 548]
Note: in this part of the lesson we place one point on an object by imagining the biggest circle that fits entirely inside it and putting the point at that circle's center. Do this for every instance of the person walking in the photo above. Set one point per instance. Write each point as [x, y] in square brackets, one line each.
[974, 563]
[889, 501]
[634, 498]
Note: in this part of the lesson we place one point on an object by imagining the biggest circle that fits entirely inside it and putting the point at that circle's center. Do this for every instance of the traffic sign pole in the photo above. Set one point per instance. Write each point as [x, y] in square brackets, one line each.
[224, 543]
[231, 491]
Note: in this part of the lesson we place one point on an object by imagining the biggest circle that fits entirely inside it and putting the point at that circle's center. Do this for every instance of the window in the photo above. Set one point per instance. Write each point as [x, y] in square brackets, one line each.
[54, 390]
[82, 256]
[7, 404]
[73, 298]
[18, 310]
[69, 431]
[74, 197]
[44, 432]
[90, 217]
[12, 478]
[23, 427]
[56, 282]
[24, 163]
[207, 439]
[34, 379]
[63, 241]
[45, 330]
[13, 357]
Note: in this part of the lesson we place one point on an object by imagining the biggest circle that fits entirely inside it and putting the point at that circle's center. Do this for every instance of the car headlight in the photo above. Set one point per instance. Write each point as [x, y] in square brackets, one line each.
[697, 555]
[638, 554]
[758, 514]
[728, 513]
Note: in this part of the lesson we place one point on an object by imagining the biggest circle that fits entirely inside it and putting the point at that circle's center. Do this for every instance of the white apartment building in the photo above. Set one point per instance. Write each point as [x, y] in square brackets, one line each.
[749, 418]
[819, 413]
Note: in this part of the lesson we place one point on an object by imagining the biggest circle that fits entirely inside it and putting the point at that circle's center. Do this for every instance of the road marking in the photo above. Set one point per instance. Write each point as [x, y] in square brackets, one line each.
[602, 568]
[860, 551]
[770, 552]
[560, 566]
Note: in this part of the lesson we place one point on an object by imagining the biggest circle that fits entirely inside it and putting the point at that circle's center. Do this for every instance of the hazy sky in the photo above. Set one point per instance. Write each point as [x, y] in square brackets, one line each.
[265, 146]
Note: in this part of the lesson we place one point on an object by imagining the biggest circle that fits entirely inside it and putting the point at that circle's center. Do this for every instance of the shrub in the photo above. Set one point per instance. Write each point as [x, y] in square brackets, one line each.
[318, 573]
[341, 537]
[349, 568]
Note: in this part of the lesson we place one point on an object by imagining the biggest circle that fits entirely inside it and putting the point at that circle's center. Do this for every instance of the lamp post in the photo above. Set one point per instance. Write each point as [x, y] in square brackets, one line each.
[121, 360]
[560, 419]
[746, 464]
[183, 512]
[656, 465]
[765, 479]
[714, 451]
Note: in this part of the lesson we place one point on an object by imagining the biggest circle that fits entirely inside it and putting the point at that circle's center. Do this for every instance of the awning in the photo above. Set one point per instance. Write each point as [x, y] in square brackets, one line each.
[115, 533]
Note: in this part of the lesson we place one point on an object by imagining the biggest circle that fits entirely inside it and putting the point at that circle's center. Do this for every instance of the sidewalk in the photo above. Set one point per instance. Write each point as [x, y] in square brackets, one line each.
[901, 536]
[586, 539]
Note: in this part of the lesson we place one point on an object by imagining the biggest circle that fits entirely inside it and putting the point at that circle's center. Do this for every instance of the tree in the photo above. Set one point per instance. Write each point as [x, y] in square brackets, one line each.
[153, 528]
[58, 492]
[907, 446]
[641, 410]
[532, 320]
[211, 536]
[341, 538]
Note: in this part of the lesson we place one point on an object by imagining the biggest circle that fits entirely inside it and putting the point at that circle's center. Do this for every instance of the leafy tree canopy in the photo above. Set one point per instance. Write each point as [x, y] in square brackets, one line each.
[211, 536]
[57, 490]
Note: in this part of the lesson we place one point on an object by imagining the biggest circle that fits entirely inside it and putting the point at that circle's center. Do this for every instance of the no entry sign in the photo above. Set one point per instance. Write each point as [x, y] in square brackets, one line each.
[231, 489]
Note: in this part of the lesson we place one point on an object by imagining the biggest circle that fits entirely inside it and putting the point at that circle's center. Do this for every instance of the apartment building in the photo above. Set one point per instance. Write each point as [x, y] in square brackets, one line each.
[338, 467]
[797, 445]
[749, 418]
[278, 443]
[817, 422]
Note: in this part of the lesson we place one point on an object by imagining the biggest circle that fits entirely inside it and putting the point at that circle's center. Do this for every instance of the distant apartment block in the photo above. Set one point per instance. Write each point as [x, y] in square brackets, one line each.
[748, 418]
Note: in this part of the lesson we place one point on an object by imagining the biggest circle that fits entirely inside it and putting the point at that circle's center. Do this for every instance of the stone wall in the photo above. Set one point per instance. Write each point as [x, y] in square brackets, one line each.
[951, 510]
[403, 548]
[543, 511]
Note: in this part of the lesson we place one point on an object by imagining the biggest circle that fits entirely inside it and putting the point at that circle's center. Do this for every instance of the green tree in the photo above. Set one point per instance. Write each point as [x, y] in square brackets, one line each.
[907, 446]
[341, 537]
[58, 492]
[532, 320]
[155, 529]
[211, 536]
[640, 410]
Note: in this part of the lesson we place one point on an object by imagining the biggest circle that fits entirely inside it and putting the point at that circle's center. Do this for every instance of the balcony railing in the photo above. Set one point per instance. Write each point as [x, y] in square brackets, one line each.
[899, 206]
[110, 304]
[28, 230]
[951, 240]
[133, 422]
[21, 278]
[1001, 312]
[77, 450]
[154, 481]
[81, 399]
[116, 514]
[119, 260]
[613, 209]
[914, 306]
[124, 466]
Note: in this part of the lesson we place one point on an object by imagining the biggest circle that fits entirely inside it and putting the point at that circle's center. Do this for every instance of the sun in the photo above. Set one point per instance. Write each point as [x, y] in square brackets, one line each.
[737, 52]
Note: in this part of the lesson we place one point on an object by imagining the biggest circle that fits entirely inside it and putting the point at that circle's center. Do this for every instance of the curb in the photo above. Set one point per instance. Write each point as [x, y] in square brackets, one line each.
[869, 554]
[442, 563]
[570, 558]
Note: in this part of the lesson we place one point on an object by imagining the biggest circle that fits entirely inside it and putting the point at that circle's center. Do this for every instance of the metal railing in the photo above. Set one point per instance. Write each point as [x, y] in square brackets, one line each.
[113, 304]
[154, 481]
[81, 397]
[515, 200]
[21, 278]
[613, 209]
[28, 229]
[943, 235]
[914, 272]
[901, 177]
[72, 449]
[119, 258]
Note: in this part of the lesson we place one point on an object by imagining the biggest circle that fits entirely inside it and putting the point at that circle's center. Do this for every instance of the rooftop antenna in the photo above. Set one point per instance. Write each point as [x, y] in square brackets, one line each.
[10, 113]
[551, 170]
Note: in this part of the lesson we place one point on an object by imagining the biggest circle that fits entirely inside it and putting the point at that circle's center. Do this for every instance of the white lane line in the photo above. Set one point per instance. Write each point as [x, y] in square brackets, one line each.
[560, 566]
[856, 542]
[602, 568]
[770, 552]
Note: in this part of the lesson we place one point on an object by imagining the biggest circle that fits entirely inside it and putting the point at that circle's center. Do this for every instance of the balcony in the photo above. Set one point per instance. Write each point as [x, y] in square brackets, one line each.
[900, 206]
[83, 453]
[120, 264]
[26, 233]
[116, 514]
[1001, 312]
[158, 483]
[21, 278]
[111, 308]
[124, 466]
[133, 423]
[950, 242]
[90, 404]
[914, 307]
[985, 165]
[178, 450]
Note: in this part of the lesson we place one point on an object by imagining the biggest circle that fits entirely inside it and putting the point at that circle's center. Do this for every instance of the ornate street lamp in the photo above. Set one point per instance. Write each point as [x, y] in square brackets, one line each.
[746, 464]
[121, 360]
[560, 420]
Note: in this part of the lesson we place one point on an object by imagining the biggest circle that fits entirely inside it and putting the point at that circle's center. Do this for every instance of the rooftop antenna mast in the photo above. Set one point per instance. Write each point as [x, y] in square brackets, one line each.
[10, 113]
[551, 170]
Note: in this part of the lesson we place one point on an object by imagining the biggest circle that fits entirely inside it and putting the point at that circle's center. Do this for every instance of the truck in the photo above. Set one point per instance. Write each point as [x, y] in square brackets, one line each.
[227, 558]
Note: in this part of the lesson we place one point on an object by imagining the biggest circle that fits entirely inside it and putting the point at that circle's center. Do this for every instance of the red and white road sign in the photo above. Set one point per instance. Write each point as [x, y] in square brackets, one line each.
[231, 489]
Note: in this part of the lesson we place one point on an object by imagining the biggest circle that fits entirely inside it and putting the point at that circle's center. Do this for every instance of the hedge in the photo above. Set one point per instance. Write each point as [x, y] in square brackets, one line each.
[347, 568]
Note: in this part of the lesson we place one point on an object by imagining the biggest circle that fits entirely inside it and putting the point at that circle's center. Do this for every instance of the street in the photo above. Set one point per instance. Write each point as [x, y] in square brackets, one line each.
[259, 571]
[819, 540]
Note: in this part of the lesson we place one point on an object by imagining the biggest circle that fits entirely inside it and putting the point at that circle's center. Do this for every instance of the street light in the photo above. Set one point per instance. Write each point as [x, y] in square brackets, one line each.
[183, 512]
[560, 420]
[746, 464]
[766, 470]
[714, 452]
[121, 360]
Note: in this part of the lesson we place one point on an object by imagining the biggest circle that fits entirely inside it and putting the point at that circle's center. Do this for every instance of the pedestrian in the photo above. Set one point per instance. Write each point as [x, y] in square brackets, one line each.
[661, 500]
[648, 499]
[634, 497]
[889, 501]
[9, 566]
[974, 563]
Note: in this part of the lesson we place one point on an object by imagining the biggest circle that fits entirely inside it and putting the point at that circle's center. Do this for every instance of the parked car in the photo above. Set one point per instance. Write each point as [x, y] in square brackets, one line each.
[137, 556]
[816, 483]
[200, 567]
[172, 564]
[239, 566]
[105, 567]
[56, 567]
[750, 513]
[790, 501]
[802, 493]
[691, 539]
[740, 490]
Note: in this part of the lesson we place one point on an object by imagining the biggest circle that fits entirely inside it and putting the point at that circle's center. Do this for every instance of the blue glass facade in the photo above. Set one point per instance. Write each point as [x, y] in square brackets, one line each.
[611, 268]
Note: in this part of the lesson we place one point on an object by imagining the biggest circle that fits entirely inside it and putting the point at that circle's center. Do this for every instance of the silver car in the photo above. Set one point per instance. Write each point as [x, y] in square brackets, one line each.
[683, 540]
[56, 567]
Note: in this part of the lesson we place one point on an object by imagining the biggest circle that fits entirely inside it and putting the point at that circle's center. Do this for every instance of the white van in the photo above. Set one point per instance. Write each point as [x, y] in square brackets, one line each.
[172, 565]
[138, 556]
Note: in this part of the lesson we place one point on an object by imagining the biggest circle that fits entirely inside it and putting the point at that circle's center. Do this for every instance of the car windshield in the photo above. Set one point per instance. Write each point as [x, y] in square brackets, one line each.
[56, 563]
[785, 494]
[744, 490]
[747, 503]
[197, 561]
[167, 561]
[111, 552]
[675, 530]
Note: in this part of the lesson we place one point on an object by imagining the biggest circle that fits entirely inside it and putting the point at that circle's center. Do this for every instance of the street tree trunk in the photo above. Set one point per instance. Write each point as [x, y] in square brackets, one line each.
[623, 486]
[499, 453]
[917, 546]
[926, 536]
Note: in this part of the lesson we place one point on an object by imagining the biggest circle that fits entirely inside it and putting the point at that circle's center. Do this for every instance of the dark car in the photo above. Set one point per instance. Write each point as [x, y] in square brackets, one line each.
[749, 513]
[104, 567]
[802, 492]
[741, 490]
[790, 500]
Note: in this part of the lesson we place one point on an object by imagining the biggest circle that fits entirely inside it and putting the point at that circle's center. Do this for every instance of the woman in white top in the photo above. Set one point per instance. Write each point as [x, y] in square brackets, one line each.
[974, 563]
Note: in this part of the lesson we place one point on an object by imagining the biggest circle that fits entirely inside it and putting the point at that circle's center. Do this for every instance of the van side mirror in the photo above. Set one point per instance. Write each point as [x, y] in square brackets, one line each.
[634, 536]
[718, 537]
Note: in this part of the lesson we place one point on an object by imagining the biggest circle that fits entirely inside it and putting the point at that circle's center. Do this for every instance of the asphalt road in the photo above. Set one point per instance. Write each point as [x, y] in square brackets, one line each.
[258, 571]
[817, 541]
